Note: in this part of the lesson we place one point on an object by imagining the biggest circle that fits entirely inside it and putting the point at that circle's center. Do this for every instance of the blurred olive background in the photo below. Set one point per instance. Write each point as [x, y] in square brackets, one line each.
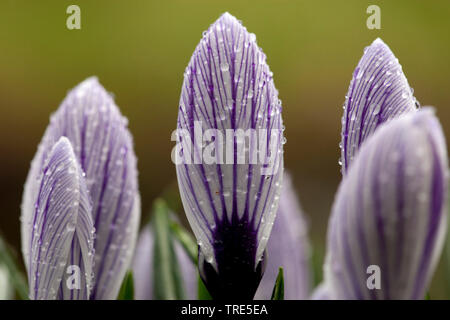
[139, 50]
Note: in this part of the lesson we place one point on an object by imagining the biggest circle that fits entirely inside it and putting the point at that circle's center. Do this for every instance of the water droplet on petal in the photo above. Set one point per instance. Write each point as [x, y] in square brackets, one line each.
[224, 66]
[377, 109]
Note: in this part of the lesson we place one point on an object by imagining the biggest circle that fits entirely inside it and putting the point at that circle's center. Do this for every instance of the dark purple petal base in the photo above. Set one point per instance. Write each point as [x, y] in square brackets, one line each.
[238, 274]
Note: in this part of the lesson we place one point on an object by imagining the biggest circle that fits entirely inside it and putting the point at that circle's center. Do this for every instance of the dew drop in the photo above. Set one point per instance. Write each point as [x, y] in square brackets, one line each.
[377, 109]
[224, 66]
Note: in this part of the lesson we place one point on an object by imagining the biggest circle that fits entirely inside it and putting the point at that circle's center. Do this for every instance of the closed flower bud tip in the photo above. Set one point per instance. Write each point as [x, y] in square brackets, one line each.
[378, 92]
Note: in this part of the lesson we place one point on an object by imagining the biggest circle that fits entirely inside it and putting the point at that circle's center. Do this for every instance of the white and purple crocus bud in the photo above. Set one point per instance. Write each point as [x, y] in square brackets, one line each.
[288, 247]
[143, 270]
[230, 138]
[388, 221]
[81, 207]
[378, 92]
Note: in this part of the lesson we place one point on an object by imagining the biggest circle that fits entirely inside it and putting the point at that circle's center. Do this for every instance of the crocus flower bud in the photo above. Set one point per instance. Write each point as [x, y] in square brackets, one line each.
[143, 271]
[230, 156]
[388, 222]
[103, 148]
[61, 241]
[288, 247]
[377, 93]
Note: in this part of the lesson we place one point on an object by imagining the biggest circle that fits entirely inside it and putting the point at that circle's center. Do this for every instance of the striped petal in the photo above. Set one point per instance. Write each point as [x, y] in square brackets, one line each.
[103, 146]
[288, 247]
[62, 232]
[230, 203]
[143, 268]
[390, 213]
[378, 92]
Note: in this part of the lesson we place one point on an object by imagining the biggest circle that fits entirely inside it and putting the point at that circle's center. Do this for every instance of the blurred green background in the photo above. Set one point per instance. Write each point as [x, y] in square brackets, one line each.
[139, 50]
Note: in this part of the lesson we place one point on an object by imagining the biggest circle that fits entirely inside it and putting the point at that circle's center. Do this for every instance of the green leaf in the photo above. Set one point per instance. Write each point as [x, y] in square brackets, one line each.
[278, 289]
[316, 263]
[186, 240]
[427, 296]
[167, 279]
[203, 293]
[127, 289]
[191, 248]
[18, 280]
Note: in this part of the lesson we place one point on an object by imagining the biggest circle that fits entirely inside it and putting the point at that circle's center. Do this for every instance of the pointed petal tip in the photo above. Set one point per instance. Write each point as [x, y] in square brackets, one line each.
[227, 17]
[90, 86]
[88, 82]
[378, 41]
[91, 79]
[378, 45]
[64, 144]
[227, 20]
[226, 14]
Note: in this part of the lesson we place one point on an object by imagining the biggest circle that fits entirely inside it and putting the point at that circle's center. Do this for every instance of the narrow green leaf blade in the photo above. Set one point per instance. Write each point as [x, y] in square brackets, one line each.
[203, 293]
[278, 289]
[168, 282]
[127, 289]
[191, 248]
[18, 280]
[186, 240]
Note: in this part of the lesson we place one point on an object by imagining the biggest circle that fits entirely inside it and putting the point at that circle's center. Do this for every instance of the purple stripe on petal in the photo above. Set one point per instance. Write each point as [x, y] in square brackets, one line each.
[377, 93]
[143, 268]
[103, 146]
[391, 209]
[230, 204]
[62, 228]
[288, 247]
